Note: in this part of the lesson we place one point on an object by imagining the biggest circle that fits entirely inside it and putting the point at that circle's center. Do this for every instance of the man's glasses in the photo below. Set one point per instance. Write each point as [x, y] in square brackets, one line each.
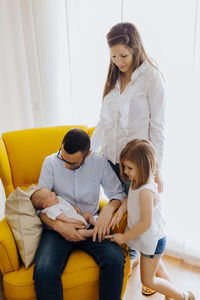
[74, 165]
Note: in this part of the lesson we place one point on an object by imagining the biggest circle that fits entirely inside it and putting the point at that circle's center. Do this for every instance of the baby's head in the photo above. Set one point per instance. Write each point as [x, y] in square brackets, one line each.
[43, 198]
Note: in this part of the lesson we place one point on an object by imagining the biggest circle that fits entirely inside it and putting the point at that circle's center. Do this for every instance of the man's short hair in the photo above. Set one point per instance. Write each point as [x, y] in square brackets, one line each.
[76, 140]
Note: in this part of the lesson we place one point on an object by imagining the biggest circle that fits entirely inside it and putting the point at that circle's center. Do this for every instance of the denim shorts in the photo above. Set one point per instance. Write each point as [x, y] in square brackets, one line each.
[160, 248]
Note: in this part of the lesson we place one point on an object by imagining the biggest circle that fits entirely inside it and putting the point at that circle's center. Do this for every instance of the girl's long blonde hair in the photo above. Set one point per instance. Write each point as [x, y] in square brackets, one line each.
[127, 35]
[142, 154]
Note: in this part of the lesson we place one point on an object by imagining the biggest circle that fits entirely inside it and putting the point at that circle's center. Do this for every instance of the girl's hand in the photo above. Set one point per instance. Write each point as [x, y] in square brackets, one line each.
[158, 179]
[116, 219]
[117, 238]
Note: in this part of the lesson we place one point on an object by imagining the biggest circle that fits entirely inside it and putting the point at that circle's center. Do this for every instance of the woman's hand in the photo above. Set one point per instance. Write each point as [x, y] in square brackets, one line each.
[117, 238]
[158, 179]
[116, 219]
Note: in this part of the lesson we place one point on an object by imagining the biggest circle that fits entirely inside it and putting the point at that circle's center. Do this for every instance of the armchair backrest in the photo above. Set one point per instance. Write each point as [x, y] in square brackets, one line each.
[22, 154]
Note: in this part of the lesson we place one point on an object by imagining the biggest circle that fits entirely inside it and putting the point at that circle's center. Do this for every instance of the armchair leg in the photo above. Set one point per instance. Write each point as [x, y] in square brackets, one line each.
[2, 297]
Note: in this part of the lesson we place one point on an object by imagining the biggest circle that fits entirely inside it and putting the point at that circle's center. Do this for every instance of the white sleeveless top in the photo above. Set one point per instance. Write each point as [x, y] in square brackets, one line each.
[146, 242]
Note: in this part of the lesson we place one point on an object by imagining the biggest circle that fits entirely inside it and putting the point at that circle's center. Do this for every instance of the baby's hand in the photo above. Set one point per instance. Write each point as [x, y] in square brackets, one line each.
[77, 209]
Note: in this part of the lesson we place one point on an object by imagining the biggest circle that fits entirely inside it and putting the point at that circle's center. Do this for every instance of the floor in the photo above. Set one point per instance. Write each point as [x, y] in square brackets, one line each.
[185, 276]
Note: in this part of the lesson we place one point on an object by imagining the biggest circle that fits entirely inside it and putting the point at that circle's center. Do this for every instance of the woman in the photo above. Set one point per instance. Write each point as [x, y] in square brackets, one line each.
[133, 101]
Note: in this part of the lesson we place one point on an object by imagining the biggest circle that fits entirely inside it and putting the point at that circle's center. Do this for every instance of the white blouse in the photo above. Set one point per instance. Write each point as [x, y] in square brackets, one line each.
[138, 112]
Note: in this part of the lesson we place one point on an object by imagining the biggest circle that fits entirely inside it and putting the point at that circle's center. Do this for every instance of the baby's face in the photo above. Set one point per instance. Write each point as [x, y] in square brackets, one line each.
[49, 196]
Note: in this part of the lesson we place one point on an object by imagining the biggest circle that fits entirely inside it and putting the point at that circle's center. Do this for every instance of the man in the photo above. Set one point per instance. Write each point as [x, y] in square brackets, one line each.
[76, 173]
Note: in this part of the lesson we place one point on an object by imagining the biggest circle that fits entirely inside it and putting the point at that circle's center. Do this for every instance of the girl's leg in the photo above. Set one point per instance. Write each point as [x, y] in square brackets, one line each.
[162, 272]
[148, 269]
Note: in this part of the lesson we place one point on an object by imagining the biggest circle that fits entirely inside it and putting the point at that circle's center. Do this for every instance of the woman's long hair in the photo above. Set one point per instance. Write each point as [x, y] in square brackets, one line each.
[125, 34]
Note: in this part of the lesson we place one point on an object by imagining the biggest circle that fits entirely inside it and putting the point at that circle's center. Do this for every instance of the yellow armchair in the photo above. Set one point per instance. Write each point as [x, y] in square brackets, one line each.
[21, 157]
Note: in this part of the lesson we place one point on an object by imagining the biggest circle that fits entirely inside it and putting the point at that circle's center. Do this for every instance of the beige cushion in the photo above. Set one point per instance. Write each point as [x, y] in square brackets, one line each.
[24, 223]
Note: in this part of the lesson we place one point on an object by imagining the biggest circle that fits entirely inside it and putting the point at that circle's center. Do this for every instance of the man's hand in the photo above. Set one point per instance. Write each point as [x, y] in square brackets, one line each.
[69, 231]
[101, 227]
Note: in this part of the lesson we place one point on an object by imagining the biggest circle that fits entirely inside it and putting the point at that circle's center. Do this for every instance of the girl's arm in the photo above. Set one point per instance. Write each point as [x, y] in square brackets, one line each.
[146, 205]
[119, 214]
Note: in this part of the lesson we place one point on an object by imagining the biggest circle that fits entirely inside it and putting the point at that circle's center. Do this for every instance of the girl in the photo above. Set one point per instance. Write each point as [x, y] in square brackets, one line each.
[145, 224]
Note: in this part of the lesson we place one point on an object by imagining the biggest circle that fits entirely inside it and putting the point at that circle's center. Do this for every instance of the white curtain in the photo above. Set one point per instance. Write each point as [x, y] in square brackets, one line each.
[53, 64]
[35, 85]
[35, 80]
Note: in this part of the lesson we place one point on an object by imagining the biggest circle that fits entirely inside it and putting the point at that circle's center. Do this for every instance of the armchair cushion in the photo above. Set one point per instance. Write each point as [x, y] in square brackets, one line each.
[24, 223]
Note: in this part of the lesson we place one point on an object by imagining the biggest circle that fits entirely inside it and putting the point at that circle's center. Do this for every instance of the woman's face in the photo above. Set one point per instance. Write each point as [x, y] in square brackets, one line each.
[122, 57]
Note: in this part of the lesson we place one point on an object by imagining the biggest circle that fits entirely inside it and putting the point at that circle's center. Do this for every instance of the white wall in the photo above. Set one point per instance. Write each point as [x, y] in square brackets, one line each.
[53, 64]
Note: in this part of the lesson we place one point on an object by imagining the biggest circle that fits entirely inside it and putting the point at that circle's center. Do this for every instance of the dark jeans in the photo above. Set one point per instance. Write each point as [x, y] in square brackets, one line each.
[116, 168]
[51, 258]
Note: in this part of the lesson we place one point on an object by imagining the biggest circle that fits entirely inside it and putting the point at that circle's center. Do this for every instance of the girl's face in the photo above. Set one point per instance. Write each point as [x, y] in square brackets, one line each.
[130, 169]
[122, 57]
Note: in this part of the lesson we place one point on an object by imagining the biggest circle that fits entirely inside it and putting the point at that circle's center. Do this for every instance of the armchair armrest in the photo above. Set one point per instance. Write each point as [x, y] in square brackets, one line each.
[9, 258]
[102, 203]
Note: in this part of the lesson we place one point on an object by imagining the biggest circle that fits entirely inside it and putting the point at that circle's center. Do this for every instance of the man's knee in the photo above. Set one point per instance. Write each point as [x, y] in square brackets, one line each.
[115, 261]
[45, 271]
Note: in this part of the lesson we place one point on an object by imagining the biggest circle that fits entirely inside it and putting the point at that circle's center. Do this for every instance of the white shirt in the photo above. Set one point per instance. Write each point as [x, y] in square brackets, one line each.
[62, 206]
[146, 242]
[81, 187]
[138, 112]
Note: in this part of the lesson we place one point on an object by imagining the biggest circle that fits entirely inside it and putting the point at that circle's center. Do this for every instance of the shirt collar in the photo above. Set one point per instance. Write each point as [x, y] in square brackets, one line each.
[134, 74]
